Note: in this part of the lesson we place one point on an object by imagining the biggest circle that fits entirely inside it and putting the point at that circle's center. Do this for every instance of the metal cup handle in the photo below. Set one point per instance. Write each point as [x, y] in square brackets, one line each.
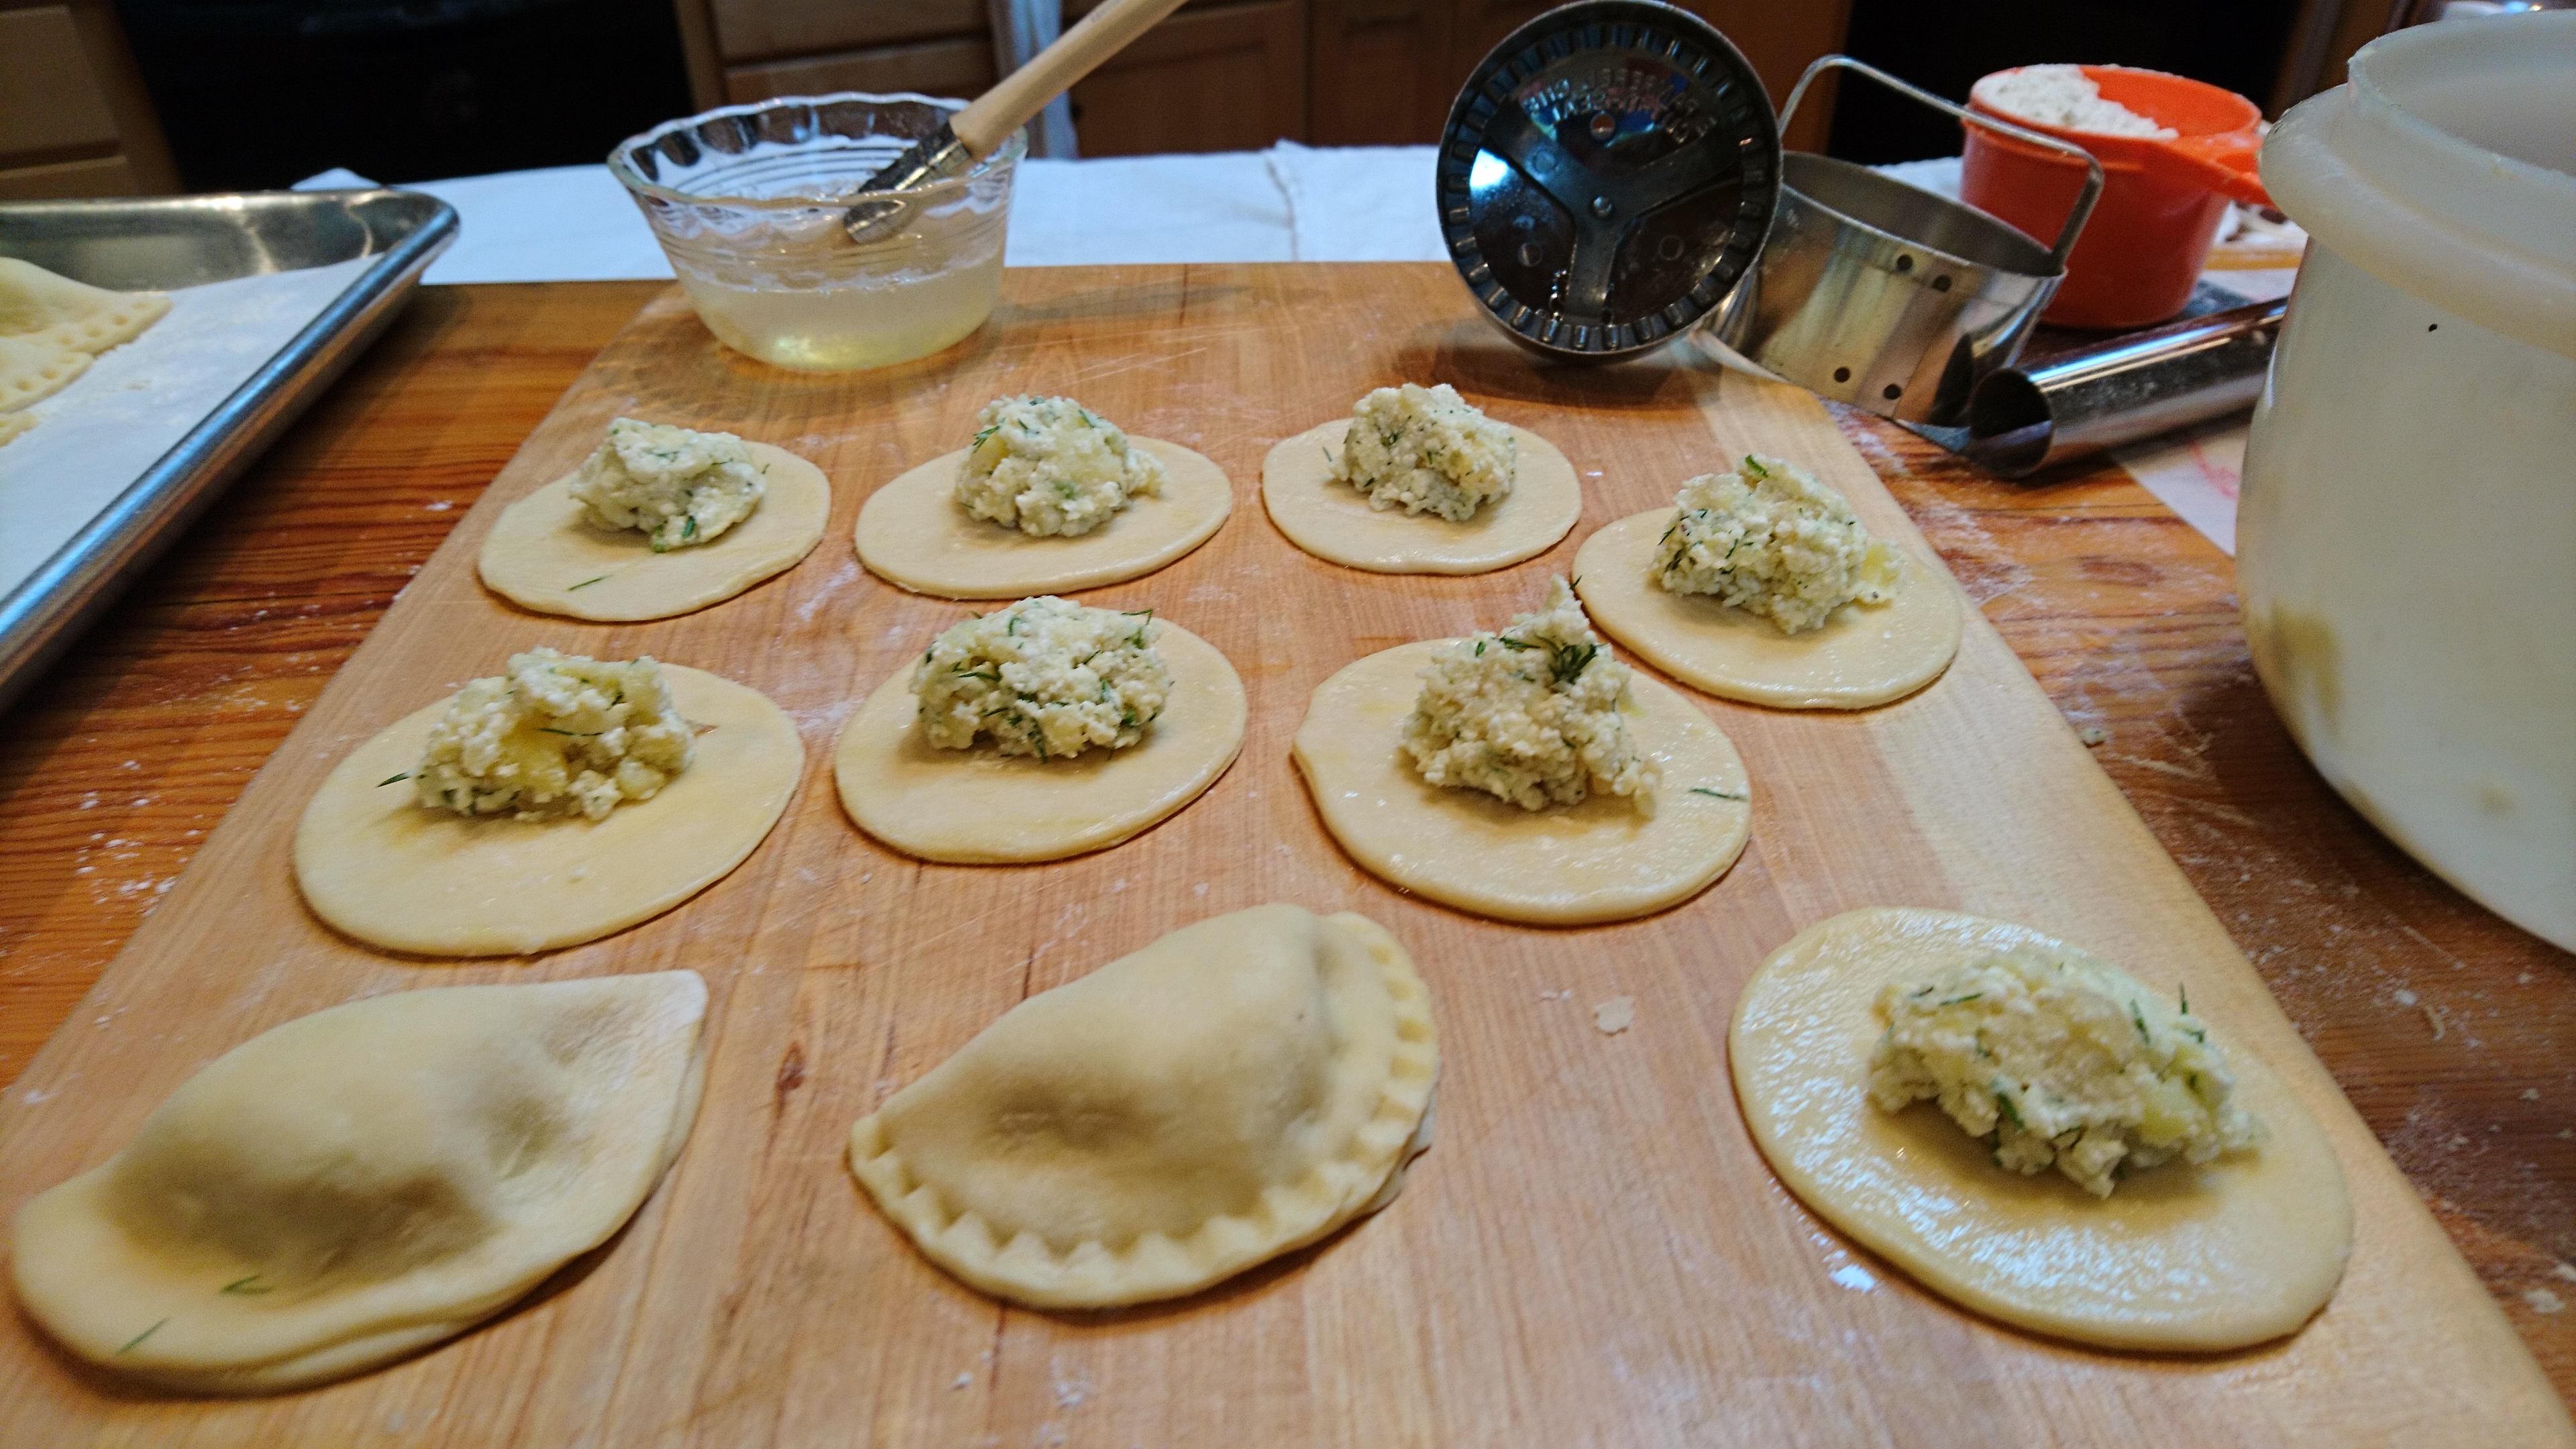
[2075, 218]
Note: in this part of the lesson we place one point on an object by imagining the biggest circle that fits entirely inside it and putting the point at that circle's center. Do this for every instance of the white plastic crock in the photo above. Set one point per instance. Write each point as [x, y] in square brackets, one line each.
[2407, 532]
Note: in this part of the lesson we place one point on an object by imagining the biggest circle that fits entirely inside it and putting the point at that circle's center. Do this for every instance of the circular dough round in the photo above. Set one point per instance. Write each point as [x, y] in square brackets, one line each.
[544, 554]
[1567, 866]
[1864, 655]
[913, 535]
[376, 866]
[1333, 521]
[2217, 1256]
[977, 807]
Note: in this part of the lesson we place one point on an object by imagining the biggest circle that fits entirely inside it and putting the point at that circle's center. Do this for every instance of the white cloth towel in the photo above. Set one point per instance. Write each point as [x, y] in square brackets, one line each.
[561, 224]
[1358, 203]
[1290, 203]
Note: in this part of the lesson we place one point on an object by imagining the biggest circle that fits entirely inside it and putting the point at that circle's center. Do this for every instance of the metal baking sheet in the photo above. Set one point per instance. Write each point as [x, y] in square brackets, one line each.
[165, 244]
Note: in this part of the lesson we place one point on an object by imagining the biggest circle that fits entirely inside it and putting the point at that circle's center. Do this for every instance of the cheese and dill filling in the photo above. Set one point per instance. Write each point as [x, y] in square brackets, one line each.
[2059, 1060]
[1772, 540]
[1049, 466]
[1531, 714]
[678, 487]
[2064, 96]
[1426, 450]
[558, 735]
[1045, 677]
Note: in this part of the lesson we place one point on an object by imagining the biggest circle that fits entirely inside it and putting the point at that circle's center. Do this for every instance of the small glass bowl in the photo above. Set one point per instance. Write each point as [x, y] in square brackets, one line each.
[748, 203]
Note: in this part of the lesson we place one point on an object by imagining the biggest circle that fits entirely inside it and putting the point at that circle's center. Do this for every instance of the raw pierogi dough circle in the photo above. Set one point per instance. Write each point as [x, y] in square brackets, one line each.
[1564, 866]
[2216, 1256]
[375, 865]
[913, 534]
[980, 807]
[1333, 521]
[544, 553]
[1865, 654]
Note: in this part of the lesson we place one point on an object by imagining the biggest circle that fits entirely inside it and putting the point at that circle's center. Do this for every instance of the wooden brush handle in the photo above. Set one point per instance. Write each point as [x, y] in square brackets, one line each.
[1008, 106]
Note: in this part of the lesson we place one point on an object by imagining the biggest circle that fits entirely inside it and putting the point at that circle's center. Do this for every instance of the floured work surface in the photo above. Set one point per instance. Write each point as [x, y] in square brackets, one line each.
[1593, 1252]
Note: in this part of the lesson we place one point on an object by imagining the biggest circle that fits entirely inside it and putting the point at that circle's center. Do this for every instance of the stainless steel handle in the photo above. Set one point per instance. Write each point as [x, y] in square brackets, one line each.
[2021, 420]
[2075, 219]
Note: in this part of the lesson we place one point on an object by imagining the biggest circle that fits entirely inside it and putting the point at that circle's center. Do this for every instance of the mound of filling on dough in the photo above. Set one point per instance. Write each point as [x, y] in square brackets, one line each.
[1771, 540]
[2058, 1060]
[677, 486]
[1045, 677]
[1426, 450]
[1050, 466]
[2064, 96]
[1531, 714]
[558, 735]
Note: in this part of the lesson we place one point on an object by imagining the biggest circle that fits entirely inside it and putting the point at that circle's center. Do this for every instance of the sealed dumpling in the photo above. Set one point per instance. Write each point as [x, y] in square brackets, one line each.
[365, 1181]
[1237, 1089]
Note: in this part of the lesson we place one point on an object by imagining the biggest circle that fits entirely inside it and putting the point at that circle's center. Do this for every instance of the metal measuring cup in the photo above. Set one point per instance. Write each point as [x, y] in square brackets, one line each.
[1888, 297]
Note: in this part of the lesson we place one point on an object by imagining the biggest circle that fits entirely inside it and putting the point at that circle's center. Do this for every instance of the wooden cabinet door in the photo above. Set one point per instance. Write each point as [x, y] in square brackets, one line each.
[1222, 78]
[750, 50]
[747, 30]
[1219, 75]
[1383, 72]
[74, 118]
[961, 68]
[1378, 71]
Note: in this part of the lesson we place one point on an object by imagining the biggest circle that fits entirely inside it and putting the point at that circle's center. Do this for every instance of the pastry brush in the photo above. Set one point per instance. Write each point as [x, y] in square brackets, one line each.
[975, 132]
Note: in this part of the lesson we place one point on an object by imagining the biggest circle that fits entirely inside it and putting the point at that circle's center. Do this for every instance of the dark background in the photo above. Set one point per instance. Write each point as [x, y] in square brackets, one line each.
[1945, 45]
[257, 94]
[261, 93]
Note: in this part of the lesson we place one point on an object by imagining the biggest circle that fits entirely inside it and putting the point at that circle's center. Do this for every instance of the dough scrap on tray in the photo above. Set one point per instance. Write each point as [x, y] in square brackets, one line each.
[914, 534]
[377, 865]
[1013, 802]
[2189, 1257]
[38, 306]
[545, 553]
[1333, 520]
[357, 1184]
[1235, 1090]
[32, 370]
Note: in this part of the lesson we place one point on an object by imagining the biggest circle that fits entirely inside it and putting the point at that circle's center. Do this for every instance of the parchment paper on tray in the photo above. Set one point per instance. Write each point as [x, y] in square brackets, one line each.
[95, 437]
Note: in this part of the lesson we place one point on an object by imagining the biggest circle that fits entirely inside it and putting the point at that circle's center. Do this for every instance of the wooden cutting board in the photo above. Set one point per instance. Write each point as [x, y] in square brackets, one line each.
[1594, 1253]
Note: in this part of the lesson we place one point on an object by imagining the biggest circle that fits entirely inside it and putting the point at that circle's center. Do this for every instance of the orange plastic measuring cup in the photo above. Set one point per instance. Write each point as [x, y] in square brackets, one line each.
[2152, 230]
